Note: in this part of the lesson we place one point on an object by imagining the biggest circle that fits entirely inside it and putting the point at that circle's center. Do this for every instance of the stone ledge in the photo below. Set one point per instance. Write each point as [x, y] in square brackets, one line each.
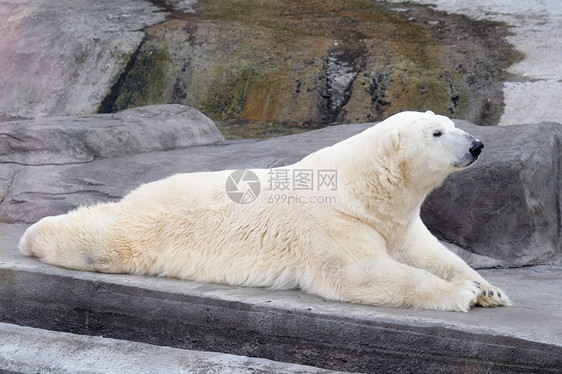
[30, 350]
[290, 326]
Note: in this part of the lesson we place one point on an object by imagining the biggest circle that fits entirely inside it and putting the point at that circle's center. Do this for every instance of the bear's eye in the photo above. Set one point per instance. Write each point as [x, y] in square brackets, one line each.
[437, 133]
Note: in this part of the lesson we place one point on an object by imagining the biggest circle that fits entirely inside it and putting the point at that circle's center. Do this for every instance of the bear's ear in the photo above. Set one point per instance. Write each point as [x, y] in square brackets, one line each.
[392, 140]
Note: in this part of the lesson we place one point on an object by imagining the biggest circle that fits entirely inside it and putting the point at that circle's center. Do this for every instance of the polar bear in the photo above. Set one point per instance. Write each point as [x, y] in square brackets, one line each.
[361, 242]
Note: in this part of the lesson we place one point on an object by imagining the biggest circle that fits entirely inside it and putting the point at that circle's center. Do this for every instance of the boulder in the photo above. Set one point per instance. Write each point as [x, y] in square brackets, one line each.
[503, 211]
[69, 140]
[507, 206]
[63, 57]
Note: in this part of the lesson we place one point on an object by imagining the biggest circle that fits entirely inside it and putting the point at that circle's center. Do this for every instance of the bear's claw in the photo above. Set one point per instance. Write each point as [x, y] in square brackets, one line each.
[492, 296]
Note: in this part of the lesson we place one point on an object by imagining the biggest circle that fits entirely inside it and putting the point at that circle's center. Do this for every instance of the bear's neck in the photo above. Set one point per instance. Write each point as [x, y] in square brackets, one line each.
[383, 193]
[373, 187]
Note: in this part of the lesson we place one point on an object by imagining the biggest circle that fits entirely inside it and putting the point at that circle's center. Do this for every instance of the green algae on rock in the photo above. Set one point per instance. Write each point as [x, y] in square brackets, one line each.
[265, 67]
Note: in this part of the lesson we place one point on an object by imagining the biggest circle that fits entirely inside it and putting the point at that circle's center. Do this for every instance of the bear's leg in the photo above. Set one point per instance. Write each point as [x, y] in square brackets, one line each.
[383, 281]
[80, 240]
[445, 264]
[424, 251]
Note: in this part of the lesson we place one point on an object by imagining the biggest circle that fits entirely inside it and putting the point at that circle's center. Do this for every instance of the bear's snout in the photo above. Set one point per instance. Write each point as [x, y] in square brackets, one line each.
[476, 148]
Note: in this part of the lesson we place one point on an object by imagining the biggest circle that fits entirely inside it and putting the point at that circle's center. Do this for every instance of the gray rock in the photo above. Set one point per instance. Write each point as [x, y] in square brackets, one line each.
[339, 79]
[68, 140]
[503, 211]
[508, 205]
[62, 57]
[474, 260]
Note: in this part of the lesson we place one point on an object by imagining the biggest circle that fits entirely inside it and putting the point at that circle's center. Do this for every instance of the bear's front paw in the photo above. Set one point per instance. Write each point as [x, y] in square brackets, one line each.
[465, 295]
[492, 296]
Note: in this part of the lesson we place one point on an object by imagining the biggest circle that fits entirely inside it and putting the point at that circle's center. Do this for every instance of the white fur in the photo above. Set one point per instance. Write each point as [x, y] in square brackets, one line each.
[368, 246]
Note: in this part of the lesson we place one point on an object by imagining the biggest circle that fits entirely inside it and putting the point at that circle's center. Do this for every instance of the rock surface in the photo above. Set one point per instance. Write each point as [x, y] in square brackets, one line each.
[62, 57]
[30, 350]
[532, 91]
[69, 140]
[257, 67]
[503, 211]
[280, 65]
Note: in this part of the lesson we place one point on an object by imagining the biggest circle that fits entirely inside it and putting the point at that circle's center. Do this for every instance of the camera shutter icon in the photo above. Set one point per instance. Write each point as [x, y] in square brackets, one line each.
[243, 186]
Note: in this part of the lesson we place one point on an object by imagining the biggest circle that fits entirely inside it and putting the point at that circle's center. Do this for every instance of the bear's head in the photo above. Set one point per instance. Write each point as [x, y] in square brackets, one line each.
[428, 147]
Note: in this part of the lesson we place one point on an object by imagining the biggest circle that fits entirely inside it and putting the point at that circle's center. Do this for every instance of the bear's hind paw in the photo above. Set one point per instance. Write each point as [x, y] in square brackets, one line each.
[28, 242]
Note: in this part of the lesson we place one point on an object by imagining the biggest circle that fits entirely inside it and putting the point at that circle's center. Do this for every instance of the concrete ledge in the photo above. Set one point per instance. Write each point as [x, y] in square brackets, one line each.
[290, 326]
[29, 350]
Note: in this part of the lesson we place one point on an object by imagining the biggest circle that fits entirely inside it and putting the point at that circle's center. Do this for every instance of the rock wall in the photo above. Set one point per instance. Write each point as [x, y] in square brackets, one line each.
[503, 211]
[285, 64]
[255, 67]
[62, 57]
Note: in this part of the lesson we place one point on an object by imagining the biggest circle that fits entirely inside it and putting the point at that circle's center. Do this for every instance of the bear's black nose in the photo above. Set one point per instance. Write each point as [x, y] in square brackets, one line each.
[476, 148]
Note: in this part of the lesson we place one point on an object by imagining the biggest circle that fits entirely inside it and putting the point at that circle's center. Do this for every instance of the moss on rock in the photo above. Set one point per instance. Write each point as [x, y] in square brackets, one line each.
[283, 64]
